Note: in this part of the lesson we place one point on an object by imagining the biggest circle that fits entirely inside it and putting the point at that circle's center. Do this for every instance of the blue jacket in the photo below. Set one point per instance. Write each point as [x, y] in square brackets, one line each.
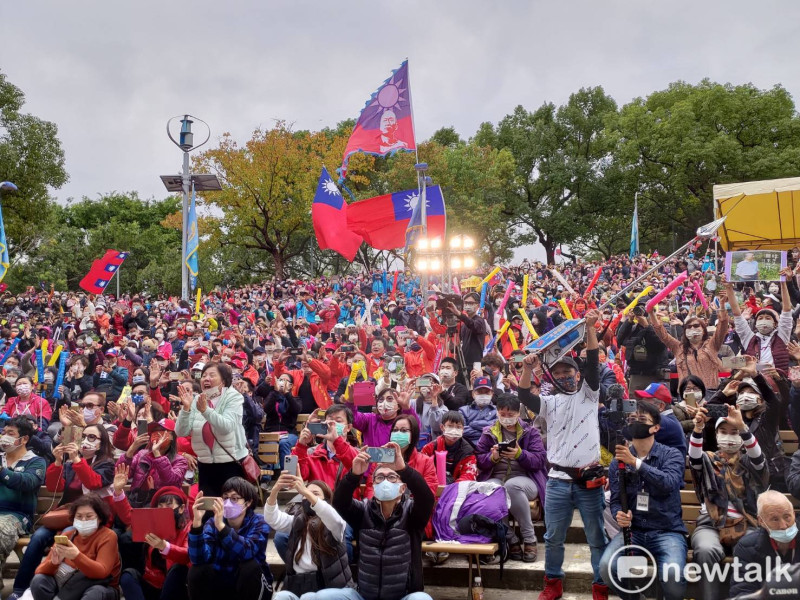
[228, 549]
[477, 419]
[661, 476]
[671, 433]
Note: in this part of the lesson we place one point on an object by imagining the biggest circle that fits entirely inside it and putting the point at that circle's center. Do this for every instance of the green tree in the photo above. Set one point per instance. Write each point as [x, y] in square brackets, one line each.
[560, 155]
[677, 143]
[30, 156]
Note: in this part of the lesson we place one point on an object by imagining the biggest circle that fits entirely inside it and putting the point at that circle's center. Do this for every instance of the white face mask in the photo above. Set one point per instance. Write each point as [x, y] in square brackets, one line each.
[453, 433]
[747, 401]
[85, 528]
[483, 399]
[765, 326]
[508, 421]
[387, 407]
[89, 448]
[447, 374]
[159, 336]
[24, 389]
[7, 442]
[728, 442]
[694, 334]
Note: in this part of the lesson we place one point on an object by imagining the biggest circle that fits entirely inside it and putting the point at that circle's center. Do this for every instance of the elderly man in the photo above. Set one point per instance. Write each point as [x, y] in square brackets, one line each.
[773, 543]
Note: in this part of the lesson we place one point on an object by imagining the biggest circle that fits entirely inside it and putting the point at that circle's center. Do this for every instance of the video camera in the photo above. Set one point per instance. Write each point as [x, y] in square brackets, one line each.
[619, 408]
[443, 299]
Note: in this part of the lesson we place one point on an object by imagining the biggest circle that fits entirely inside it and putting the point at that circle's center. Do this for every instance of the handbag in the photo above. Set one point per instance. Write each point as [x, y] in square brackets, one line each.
[57, 519]
[250, 468]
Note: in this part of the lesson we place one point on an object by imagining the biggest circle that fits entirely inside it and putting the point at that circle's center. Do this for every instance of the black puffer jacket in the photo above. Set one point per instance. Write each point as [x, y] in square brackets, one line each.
[390, 560]
[754, 548]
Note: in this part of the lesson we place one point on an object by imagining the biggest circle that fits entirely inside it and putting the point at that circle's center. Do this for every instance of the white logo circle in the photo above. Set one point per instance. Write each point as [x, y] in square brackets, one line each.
[629, 567]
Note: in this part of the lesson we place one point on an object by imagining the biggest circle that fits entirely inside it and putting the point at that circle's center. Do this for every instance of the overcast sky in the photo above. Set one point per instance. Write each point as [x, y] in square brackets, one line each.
[110, 74]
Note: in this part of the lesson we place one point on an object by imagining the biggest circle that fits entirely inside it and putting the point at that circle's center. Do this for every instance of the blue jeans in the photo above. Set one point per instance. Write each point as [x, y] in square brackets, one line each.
[285, 447]
[281, 541]
[40, 540]
[667, 547]
[340, 594]
[562, 497]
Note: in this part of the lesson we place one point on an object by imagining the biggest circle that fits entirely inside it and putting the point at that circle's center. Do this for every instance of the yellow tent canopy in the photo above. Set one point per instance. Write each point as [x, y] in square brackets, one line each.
[762, 215]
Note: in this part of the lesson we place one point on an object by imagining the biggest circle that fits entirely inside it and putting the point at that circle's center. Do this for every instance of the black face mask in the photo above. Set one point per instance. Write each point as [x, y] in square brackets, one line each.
[306, 505]
[636, 431]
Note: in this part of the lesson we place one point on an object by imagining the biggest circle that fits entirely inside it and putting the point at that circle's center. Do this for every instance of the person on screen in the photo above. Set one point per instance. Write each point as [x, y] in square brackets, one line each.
[747, 270]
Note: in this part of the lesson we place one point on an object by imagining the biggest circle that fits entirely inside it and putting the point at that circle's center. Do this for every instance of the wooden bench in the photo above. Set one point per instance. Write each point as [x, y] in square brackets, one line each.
[789, 440]
[268, 452]
[301, 422]
[473, 552]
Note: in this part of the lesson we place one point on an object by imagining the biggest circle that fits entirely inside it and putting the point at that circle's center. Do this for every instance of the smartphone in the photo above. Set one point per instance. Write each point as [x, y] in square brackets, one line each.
[794, 373]
[423, 382]
[141, 426]
[290, 464]
[729, 363]
[61, 540]
[347, 348]
[518, 358]
[503, 446]
[205, 503]
[716, 411]
[760, 367]
[476, 366]
[318, 428]
[295, 351]
[381, 455]
[175, 376]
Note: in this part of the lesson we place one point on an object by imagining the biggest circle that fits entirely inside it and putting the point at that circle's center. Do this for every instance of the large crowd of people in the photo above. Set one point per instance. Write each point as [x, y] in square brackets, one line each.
[422, 417]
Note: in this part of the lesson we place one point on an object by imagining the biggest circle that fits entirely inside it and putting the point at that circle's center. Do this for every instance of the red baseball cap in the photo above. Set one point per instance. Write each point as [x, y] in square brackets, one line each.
[659, 391]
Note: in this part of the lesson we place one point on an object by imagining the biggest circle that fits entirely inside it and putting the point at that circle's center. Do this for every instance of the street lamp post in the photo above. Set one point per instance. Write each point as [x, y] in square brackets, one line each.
[185, 182]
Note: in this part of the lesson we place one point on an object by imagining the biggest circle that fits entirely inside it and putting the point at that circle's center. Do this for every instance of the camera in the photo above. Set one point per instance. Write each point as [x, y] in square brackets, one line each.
[295, 351]
[638, 311]
[619, 408]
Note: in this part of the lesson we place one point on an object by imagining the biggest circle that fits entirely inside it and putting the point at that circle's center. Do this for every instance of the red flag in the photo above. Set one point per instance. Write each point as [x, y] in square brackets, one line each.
[329, 215]
[102, 271]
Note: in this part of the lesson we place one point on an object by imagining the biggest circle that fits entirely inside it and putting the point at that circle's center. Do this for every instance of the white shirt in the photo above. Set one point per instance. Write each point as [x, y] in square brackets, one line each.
[573, 429]
[783, 331]
[281, 521]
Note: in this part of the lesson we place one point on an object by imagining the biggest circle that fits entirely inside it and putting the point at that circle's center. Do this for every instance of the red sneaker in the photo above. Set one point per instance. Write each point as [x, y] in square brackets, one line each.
[599, 591]
[553, 590]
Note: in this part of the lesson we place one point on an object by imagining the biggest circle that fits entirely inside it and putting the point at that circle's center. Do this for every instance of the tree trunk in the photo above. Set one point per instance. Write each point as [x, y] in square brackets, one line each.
[549, 248]
[277, 259]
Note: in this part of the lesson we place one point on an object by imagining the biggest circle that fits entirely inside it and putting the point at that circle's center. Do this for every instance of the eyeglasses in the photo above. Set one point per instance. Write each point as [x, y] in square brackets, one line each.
[232, 498]
[91, 437]
[381, 478]
[644, 420]
[88, 405]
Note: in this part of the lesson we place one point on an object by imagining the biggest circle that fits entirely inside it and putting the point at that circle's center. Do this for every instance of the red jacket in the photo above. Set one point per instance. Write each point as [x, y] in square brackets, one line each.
[419, 362]
[319, 465]
[320, 375]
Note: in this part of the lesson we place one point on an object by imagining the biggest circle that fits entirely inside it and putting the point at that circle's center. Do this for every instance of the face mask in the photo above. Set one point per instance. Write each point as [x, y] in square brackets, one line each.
[783, 536]
[89, 448]
[470, 309]
[7, 442]
[137, 379]
[747, 401]
[231, 509]
[453, 433]
[401, 438]
[88, 415]
[159, 336]
[695, 395]
[636, 431]
[447, 374]
[508, 421]
[765, 326]
[694, 334]
[340, 429]
[23, 389]
[568, 384]
[729, 443]
[483, 399]
[387, 407]
[85, 528]
[386, 490]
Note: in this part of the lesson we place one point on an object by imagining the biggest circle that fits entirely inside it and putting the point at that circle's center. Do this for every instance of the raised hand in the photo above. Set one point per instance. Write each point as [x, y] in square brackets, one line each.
[120, 478]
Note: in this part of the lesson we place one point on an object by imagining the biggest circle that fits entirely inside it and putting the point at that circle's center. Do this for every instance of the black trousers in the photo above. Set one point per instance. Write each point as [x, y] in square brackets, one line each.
[249, 581]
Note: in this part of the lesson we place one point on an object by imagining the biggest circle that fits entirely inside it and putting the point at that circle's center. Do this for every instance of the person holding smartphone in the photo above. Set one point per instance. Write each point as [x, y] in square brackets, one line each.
[316, 554]
[510, 453]
[282, 407]
[228, 553]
